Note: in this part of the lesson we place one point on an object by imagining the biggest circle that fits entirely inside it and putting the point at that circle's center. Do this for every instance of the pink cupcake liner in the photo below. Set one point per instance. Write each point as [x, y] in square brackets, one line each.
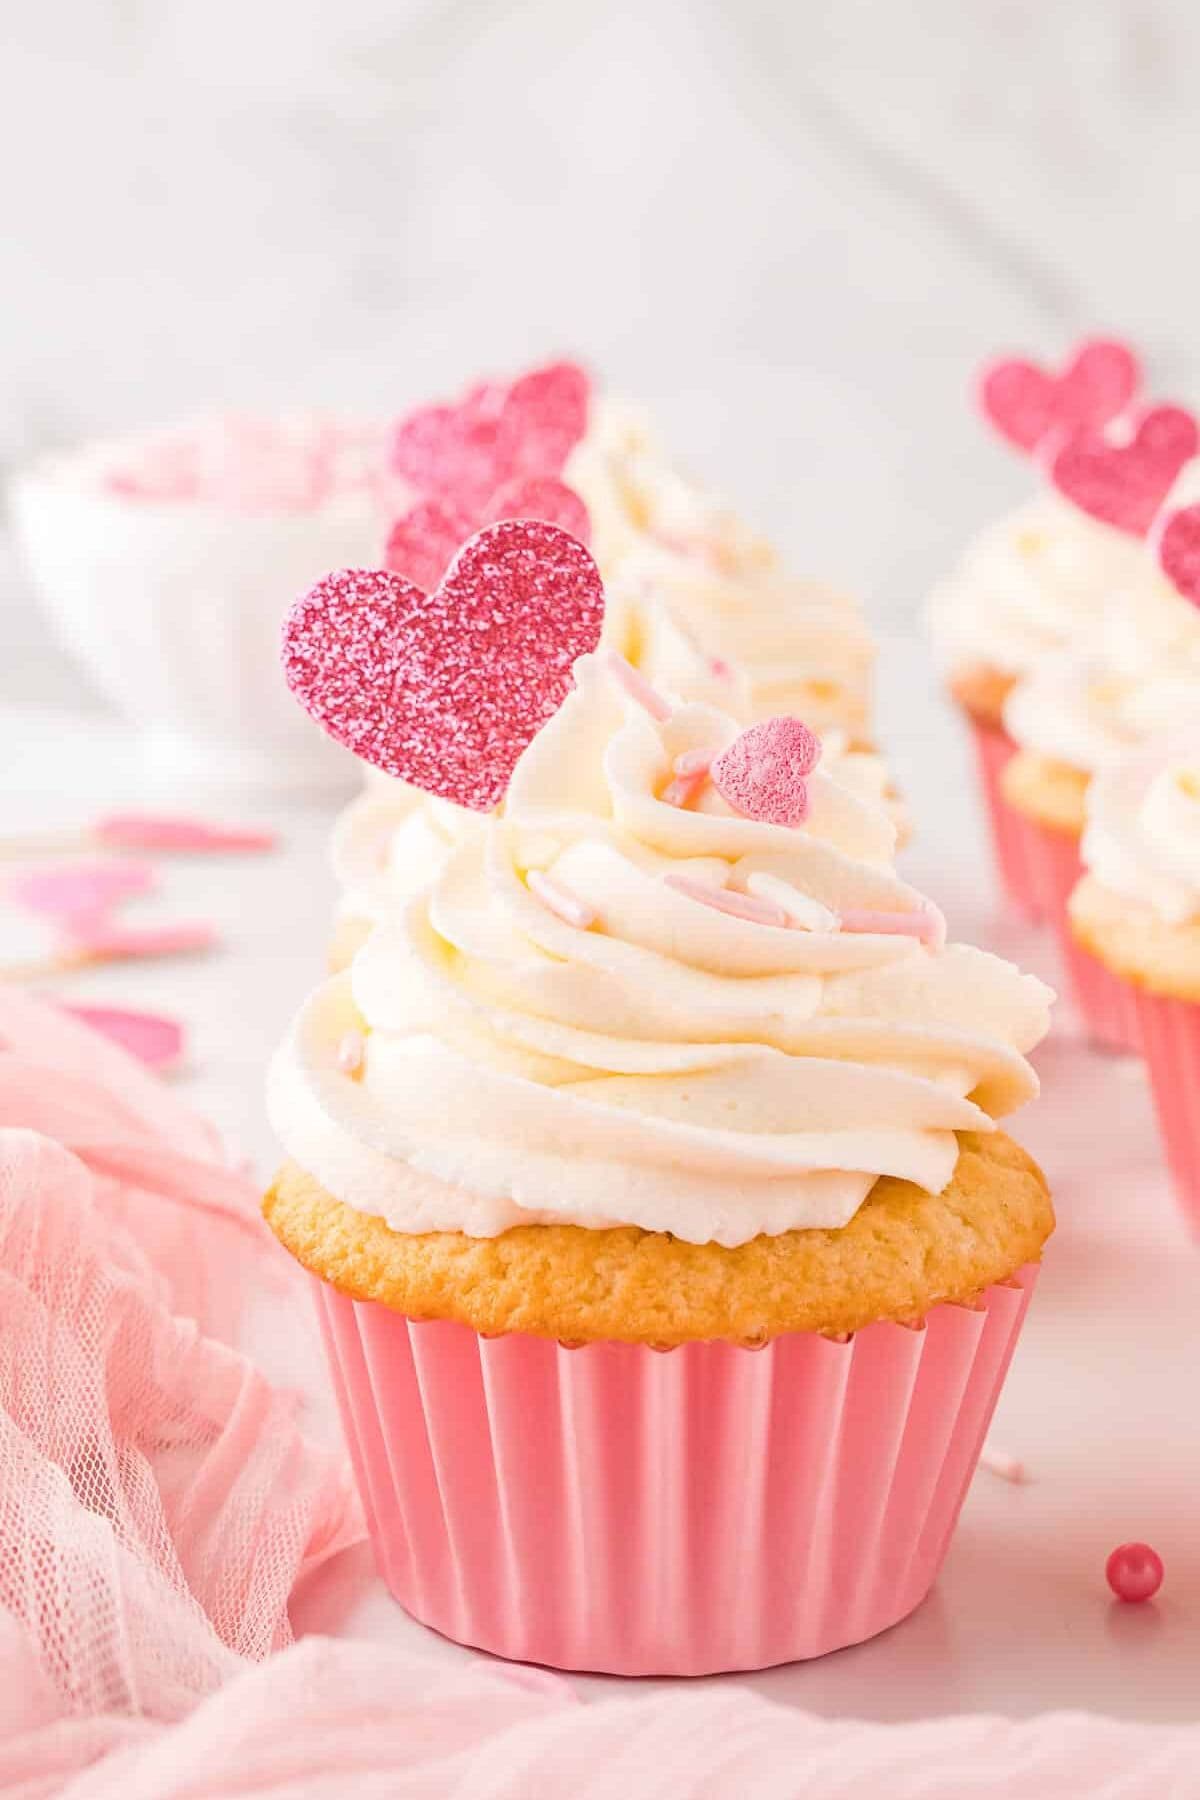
[1107, 1004]
[1051, 862]
[617, 1509]
[1169, 1031]
[993, 748]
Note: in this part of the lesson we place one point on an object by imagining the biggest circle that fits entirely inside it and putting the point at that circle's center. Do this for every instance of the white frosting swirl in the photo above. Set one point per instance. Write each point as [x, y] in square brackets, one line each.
[1142, 837]
[671, 1065]
[1032, 583]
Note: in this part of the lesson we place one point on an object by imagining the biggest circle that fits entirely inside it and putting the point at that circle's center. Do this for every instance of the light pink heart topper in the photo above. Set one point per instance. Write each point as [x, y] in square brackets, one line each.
[1179, 551]
[1123, 483]
[445, 690]
[1026, 403]
[761, 773]
[464, 453]
[422, 544]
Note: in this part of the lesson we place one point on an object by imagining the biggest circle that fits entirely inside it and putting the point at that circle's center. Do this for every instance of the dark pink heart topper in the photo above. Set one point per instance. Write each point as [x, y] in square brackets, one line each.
[445, 690]
[1179, 551]
[1124, 483]
[464, 453]
[1026, 403]
[422, 544]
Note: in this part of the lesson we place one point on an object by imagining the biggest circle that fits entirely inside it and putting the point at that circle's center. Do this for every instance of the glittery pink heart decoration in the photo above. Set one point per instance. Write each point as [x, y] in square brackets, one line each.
[761, 774]
[1025, 402]
[1179, 551]
[542, 497]
[422, 545]
[445, 690]
[465, 453]
[1125, 484]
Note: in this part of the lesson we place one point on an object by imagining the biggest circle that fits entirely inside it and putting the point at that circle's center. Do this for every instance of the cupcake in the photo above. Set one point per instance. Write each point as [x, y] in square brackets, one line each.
[1031, 583]
[1085, 710]
[668, 1256]
[164, 561]
[1135, 924]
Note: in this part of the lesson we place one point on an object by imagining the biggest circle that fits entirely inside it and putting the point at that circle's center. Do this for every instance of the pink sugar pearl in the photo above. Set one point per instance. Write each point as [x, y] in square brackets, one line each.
[1135, 1572]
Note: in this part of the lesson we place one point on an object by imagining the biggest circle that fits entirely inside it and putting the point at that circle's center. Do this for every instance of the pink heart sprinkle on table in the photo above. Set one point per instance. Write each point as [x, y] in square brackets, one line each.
[150, 1037]
[1124, 484]
[69, 891]
[445, 690]
[761, 773]
[1025, 402]
[1179, 551]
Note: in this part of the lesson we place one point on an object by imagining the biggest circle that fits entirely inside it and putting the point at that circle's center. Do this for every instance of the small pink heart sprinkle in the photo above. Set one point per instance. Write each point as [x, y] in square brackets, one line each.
[445, 690]
[151, 1038]
[422, 544]
[99, 941]
[154, 831]
[761, 774]
[1025, 402]
[541, 497]
[495, 434]
[1179, 551]
[1125, 484]
[79, 890]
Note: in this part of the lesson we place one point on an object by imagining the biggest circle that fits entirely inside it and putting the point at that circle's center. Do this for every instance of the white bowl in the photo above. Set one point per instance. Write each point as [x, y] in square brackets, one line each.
[175, 607]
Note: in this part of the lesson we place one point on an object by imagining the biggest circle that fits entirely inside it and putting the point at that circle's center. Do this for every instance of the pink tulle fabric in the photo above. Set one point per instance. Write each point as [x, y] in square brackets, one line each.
[159, 1503]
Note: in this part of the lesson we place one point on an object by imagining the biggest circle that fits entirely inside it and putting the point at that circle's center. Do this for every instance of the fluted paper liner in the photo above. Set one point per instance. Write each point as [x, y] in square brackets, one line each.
[1169, 1032]
[993, 749]
[713, 1507]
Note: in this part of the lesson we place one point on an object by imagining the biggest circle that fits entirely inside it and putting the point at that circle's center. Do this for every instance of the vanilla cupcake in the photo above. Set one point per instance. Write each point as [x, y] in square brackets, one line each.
[1135, 922]
[1086, 710]
[667, 1058]
[1032, 583]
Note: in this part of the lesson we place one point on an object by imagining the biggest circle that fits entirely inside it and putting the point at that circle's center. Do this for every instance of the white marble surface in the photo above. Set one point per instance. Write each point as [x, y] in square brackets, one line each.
[1100, 1403]
[793, 229]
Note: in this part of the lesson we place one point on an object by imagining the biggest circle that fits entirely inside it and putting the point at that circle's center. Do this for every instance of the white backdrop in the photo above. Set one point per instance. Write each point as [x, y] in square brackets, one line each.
[793, 229]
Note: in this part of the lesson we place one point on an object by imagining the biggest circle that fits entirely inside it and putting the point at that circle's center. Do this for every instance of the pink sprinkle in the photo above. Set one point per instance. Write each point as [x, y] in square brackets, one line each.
[79, 890]
[683, 789]
[693, 762]
[559, 899]
[928, 924]
[1134, 1572]
[761, 774]
[101, 942]
[151, 1038]
[350, 1052]
[720, 668]
[738, 906]
[637, 687]
[152, 831]
[1000, 1463]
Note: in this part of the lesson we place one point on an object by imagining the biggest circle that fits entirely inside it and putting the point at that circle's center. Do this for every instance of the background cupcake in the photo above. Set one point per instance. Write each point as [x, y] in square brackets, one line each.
[731, 1096]
[1033, 581]
[1135, 919]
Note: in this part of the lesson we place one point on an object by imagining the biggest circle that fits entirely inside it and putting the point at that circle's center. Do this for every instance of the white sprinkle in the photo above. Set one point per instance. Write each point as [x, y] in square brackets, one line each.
[802, 912]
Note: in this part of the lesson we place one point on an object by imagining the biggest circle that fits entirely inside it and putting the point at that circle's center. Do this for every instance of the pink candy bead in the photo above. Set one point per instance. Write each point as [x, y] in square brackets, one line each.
[1135, 1572]
[350, 1052]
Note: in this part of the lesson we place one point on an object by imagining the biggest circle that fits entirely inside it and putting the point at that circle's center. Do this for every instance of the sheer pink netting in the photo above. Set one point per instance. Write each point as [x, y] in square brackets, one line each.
[159, 1502]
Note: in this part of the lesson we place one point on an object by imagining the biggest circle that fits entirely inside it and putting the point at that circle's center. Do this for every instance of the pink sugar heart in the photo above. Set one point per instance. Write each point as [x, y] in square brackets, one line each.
[1025, 402]
[71, 891]
[1179, 551]
[151, 1038]
[445, 690]
[162, 831]
[495, 434]
[542, 497]
[761, 774]
[421, 545]
[1124, 484]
